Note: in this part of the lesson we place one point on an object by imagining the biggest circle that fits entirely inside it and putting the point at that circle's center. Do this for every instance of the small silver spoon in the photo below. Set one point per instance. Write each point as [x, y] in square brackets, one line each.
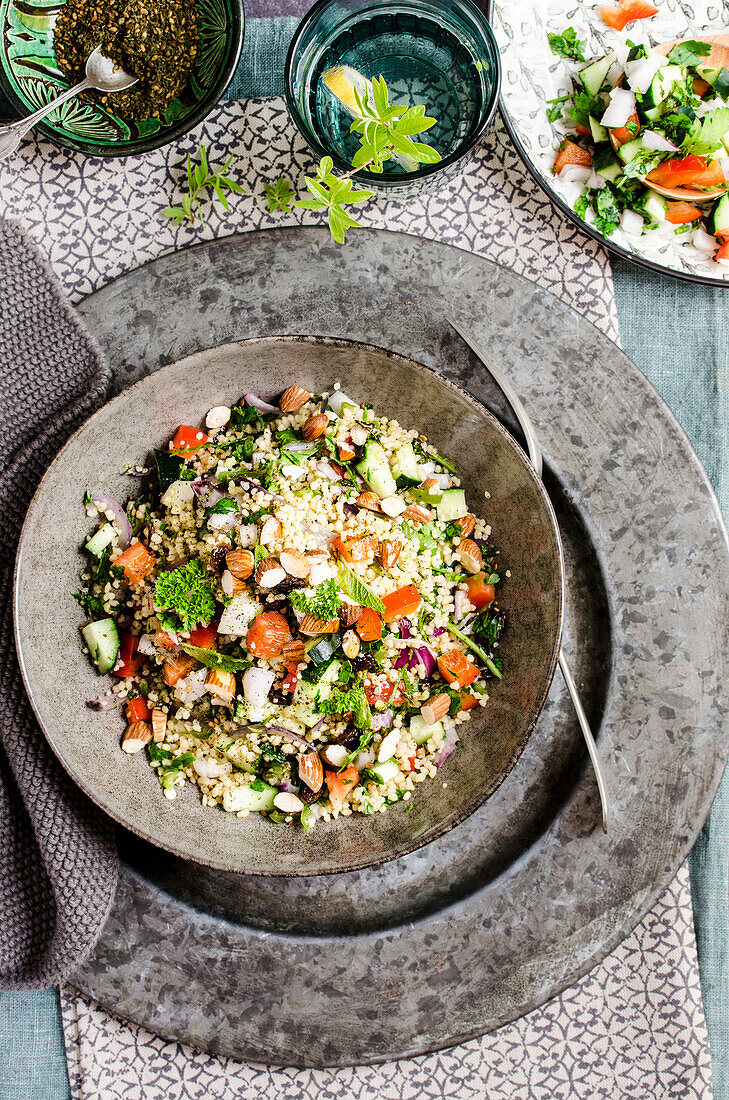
[535, 456]
[100, 74]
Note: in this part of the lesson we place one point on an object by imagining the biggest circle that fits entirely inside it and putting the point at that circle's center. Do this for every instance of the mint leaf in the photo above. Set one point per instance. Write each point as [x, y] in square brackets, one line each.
[689, 53]
[211, 659]
[357, 590]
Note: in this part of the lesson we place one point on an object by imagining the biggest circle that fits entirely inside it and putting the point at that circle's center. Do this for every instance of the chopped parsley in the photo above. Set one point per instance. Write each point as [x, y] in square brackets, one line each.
[689, 53]
[706, 133]
[187, 595]
[567, 44]
[554, 113]
[240, 415]
[342, 702]
[323, 603]
[92, 605]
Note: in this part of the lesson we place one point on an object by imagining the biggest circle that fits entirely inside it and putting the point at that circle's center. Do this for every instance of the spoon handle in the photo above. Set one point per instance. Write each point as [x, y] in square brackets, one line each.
[11, 136]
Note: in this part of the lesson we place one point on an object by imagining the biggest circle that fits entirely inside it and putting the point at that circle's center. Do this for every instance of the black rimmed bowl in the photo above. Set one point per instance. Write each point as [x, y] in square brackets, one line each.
[453, 69]
[59, 677]
[30, 78]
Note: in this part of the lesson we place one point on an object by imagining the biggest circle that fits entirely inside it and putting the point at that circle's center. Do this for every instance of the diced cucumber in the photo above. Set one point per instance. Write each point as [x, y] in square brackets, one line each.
[324, 648]
[236, 752]
[385, 771]
[654, 113]
[258, 797]
[593, 75]
[178, 495]
[452, 505]
[718, 78]
[630, 149]
[304, 708]
[101, 540]
[607, 164]
[719, 220]
[599, 132]
[102, 639]
[663, 84]
[655, 207]
[421, 733]
[405, 465]
[375, 469]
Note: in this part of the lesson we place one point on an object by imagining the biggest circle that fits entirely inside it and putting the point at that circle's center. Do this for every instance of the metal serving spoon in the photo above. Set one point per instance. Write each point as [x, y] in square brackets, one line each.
[535, 456]
[100, 74]
[717, 58]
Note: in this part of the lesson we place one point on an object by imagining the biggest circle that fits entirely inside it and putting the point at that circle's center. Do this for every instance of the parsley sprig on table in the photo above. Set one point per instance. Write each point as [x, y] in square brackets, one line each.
[186, 595]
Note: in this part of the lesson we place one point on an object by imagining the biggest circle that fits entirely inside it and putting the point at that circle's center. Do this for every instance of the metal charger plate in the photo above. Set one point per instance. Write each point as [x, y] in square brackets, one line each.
[489, 921]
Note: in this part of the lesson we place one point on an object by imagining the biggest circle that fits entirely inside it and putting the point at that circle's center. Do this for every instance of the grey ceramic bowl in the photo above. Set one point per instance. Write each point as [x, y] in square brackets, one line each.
[60, 679]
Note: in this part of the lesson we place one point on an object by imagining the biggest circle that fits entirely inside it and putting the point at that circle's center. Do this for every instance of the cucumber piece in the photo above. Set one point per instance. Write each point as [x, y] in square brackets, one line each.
[719, 219]
[608, 165]
[405, 466]
[655, 207]
[654, 113]
[324, 648]
[385, 771]
[375, 469]
[599, 132]
[258, 797]
[629, 149]
[663, 84]
[102, 639]
[234, 751]
[718, 78]
[452, 505]
[593, 75]
[421, 733]
[101, 540]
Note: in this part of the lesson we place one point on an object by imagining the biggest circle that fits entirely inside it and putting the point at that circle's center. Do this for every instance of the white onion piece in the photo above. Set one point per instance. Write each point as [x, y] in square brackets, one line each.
[596, 181]
[120, 518]
[451, 740]
[575, 173]
[631, 223]
[257, 683]
[325, 470]
[298, 446]
[621, 51]
[338, 399]
[259, 403]
[724, 162]
[614, 73]
[209, 769]
[620, 108]
[639, 73]
[292, 472]
[653, 140]
[444, 481]
[703, 241]
[320, 572]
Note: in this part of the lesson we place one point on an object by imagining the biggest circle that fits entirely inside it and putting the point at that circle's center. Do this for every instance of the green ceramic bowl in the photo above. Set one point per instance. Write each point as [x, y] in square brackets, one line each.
[30, 78]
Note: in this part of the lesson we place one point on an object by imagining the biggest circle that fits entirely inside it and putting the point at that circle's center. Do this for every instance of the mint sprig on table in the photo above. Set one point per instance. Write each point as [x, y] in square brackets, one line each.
[568, 45]
[199, 180]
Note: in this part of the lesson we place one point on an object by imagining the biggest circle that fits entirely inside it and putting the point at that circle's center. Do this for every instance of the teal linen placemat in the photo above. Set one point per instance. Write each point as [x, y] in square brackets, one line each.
[676, 333]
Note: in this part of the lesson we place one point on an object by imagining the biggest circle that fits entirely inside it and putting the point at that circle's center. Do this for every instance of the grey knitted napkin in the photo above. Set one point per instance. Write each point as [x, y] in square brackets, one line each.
[58, 862]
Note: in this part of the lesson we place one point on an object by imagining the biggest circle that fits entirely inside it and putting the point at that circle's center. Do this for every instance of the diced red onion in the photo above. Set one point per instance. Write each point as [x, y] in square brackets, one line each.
[631, 223]
[258, 403]
[575, 173]
[325, 469]
[102, 704]
[293, 737]
[351, 509]
[287, 787]
[427, 659]
[653, 140]
[639, 73]
[206, 492]
[403, 661]
[704, 241]
[405, 627]
[121, 519]
[438, 630]
[620, 108]
[451, 740]
[383, 720]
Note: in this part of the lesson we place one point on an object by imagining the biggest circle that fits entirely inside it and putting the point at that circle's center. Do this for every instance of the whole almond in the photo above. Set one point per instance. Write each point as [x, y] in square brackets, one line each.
[293, 399]
[368, 500]
[293, 652]
[270, 531]
[346, 450]
[350, 613]
[315, 426]
[334, 755]
[221, 685]
[240, 563]
[231, 585]
[295, 563]
[351, 644]
[312, 626]
[159, 724]
[465, 524]
[311, 771]
[136, 736]
[430, 483]
[288, 803]
[469, 555]
[388, 553]
[417, 514]
[435, 709]
[269, 573]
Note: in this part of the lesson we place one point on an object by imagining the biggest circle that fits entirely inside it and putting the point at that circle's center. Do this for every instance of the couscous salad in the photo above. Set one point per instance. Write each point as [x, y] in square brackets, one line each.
[299, 611]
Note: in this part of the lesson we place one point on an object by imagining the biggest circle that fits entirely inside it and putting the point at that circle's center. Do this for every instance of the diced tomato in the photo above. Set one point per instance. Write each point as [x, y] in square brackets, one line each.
[479, 593]
[138, 711]
[723, 253]
[163, 640]
[621, 134]
[129, 661]
[290, 680]
[404, 601]
[177, 666]
[204, 636]
[340, 784]
[268, 634]
[136, 561]
[468, 701]
[690, 171]
[188, 438]
[626, 12]
[584, 130]
[369, 625]
[382, 691]
[411, 762]
[341, 549]
[678, 213]
[454, 667]
[571, 153]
